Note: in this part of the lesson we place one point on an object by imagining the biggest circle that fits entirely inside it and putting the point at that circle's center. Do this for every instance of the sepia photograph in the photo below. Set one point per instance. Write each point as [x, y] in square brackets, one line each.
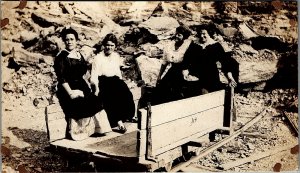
[149, 86]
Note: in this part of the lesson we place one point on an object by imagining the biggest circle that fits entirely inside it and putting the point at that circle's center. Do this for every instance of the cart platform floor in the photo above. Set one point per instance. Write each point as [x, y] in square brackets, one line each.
[114, 144]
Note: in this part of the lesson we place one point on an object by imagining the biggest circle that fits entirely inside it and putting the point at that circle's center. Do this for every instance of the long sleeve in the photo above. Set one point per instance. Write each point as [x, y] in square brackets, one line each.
[95, 72]
[60, 66]
[190, 53]
[121, 63]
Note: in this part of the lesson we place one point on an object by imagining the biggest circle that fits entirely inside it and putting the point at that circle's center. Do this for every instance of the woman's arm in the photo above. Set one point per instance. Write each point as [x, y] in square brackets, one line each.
[72, 93]
[94, 75]
[231, 80]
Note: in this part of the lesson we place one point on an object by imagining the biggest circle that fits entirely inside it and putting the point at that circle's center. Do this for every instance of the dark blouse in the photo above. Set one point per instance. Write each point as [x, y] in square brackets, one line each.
[202, 63]
[69, 70]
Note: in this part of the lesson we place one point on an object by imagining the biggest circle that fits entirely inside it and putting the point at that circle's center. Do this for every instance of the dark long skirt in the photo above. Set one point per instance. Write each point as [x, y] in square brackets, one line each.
[78, 108]
[117, 99]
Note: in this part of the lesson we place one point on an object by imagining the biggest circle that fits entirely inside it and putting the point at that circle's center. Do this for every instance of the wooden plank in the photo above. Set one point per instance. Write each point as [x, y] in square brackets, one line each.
[82, 145]
[55, 116]
[231, 110]
[56, 129]
[178, 132]
[55, 122]
[141, 143]
[121, 146]
[255, 157]
[136, 93]
[53, 108]
[178, 109]
[220, 143]
[143, 119]
[149, 133]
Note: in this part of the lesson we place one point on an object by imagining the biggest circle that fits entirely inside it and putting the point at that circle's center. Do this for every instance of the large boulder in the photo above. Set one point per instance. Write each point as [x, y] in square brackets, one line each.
[24, 57]
[149, 69]
[162, 27]
[259, 68]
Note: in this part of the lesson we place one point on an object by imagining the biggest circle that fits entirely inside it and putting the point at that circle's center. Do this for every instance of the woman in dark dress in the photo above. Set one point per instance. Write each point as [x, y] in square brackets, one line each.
[74, 94]
[199, 65]
[107, 78]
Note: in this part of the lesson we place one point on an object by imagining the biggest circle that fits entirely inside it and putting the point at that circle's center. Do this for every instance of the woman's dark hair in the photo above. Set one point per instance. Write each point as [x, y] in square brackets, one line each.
[110, 37]
[184, 31]
[66, 31]
[210, 28]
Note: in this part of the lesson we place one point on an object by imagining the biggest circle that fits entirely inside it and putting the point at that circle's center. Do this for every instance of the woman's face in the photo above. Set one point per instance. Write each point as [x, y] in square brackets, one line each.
[70, 42]
[178, 37]
[109, 47]
[203, 36]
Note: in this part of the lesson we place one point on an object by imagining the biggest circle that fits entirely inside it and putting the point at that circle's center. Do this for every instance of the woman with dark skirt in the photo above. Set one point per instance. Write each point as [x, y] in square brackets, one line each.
[109, 87]
[76, 99]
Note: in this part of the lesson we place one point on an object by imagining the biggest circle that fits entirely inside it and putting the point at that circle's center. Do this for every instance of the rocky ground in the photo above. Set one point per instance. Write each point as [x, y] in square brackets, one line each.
[262, 37]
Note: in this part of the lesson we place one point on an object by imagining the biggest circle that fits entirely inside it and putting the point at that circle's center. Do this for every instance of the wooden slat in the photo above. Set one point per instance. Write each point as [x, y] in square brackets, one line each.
[56, 123]
[141, 143]
[143, 119]
[82, 145]
[55, 116]
[53, 108]
[149, 133]
[136, 93]
[178, 132]
[178, 109]
[121, 146]
[56, 129]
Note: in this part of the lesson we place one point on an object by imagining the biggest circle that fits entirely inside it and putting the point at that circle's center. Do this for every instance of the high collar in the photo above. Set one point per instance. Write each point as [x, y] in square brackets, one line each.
[74, 54]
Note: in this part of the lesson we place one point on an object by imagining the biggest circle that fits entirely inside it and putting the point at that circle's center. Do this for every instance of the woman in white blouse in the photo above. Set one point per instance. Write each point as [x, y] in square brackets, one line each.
[106, 76]
[170, 78]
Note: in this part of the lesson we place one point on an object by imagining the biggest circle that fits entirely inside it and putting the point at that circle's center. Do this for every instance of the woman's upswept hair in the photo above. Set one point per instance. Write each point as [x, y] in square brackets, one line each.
[184, 31]
[110, 37]
[67, 31]
[209, 27]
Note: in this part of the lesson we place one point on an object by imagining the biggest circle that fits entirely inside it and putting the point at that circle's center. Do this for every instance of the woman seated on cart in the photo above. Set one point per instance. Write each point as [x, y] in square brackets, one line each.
[170, 79]
[190, 67]
[199, 65]
[109, 87]
[76, 99]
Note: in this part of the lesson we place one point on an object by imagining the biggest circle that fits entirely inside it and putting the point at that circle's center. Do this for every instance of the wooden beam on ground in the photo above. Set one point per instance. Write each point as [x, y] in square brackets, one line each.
[255, 157]
[220, 143]
[290, 121]
[205, 168]
[255, 135]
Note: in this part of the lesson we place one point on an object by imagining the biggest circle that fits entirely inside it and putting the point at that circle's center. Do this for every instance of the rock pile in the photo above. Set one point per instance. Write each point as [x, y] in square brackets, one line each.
[262, 43]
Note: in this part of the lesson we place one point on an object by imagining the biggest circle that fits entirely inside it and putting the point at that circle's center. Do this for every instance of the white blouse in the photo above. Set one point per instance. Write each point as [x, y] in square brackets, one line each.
[173, 55]
[106, 66]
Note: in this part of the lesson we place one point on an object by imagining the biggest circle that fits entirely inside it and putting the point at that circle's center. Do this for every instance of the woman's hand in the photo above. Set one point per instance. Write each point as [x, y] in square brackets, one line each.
[231, 81]
[188, 77]
[76, 94]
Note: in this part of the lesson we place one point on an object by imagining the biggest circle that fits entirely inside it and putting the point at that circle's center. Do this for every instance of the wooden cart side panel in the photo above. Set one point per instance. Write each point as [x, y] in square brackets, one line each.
[55, 122]
[167, 112]
[178, 132]
[141, 143]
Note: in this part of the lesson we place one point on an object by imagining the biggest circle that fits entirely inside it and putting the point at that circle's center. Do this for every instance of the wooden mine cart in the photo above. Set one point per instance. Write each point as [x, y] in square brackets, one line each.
[163, 133]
